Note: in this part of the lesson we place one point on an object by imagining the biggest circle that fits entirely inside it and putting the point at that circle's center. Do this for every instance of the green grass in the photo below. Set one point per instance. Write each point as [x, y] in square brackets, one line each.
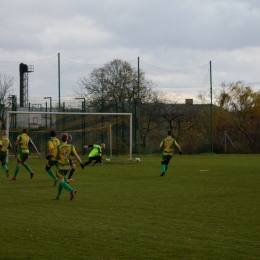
[206, 207]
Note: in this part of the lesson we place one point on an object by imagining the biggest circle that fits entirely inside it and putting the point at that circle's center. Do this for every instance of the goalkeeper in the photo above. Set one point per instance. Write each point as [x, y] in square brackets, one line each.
[95, 154]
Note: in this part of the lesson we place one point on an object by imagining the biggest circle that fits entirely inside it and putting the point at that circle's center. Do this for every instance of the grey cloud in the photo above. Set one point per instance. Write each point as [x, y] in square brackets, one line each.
[168, 33]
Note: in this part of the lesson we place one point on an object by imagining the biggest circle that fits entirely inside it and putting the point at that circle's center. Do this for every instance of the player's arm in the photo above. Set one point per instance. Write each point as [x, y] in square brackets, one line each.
[179, 148]
[74, 153]
[51, 149]
[89, 145]
[16, 145]
[79, 160]
[161, 145]
[35, 148]
[49, 155]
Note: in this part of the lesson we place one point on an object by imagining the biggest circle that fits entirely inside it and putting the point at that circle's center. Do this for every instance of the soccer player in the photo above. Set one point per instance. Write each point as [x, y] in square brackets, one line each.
[22, 147]
[65, 150]
[52, 155]
[72, 165]
[4, 146]
[166, 145]
[95, 154]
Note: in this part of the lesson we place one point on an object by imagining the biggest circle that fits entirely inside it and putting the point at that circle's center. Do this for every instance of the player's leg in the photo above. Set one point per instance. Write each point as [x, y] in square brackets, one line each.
[48, 169]
[71, 173]
[163, 165]
[66, 179]
[60, 176]
[89, 161]
[72, 170]
[17, 168]
[20, 158]
[4, 166]
[64, 185]
[27, 167]
[24, 157]
[167, 163]
[98, 159]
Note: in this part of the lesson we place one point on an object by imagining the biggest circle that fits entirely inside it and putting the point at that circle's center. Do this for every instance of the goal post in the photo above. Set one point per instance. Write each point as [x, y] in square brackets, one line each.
[113, 129]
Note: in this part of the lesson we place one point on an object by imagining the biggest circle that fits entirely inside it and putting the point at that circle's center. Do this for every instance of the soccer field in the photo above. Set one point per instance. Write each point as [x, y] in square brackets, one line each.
[206, 207]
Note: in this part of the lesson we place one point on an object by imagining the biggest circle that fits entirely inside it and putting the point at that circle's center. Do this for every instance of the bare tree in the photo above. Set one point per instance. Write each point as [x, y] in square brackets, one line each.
[6, 84]
[117, 81]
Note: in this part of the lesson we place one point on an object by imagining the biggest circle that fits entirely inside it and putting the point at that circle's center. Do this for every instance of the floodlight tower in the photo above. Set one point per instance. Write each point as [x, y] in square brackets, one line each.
[24, 70]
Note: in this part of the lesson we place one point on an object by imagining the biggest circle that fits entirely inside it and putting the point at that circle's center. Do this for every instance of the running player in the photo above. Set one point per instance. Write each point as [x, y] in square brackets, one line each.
[72, 165]
[166, 146]
[52, 155]
[65, 150]
[4, 146]
[22, 147]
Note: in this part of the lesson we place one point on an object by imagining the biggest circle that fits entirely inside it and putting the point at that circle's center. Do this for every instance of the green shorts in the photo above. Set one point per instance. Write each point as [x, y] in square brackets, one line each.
[22, 157]
[166, 158]
[61, 173]
[3, 157]
[51, 163]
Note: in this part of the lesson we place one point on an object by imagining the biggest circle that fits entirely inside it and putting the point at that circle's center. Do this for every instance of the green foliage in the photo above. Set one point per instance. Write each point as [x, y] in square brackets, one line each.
[206, 207]
[239, 114]
[238, 97]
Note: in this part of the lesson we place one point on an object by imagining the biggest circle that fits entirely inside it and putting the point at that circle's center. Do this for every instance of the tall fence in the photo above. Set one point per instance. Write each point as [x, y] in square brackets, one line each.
[51, 84]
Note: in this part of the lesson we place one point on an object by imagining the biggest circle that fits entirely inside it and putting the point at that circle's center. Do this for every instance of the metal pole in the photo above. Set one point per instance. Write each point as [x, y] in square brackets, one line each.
[8, 135]
[211, 107]
[83, 124]
[225, 141]
[50, 110]
[139, 104]
[46, 109]
[110, 141]
[59, 78]
[131, 136]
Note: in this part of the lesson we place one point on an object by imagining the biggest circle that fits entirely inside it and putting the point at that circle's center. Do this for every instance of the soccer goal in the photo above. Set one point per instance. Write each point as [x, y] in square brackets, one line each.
[113, 129]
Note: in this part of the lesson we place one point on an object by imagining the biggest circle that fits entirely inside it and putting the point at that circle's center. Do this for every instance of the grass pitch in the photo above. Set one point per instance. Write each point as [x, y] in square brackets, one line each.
[206, 207]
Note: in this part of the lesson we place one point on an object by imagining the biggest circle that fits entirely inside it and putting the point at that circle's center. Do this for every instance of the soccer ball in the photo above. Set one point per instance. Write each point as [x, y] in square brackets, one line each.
[137, 160]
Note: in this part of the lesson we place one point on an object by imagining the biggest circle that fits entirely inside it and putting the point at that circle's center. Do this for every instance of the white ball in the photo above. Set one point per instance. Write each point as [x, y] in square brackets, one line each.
[137, 160]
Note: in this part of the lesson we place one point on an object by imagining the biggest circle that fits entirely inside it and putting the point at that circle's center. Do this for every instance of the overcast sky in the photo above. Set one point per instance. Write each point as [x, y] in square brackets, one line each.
[169, 34]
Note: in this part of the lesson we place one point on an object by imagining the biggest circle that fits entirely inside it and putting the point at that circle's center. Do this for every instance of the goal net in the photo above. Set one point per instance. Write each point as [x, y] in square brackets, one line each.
[113, 129]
